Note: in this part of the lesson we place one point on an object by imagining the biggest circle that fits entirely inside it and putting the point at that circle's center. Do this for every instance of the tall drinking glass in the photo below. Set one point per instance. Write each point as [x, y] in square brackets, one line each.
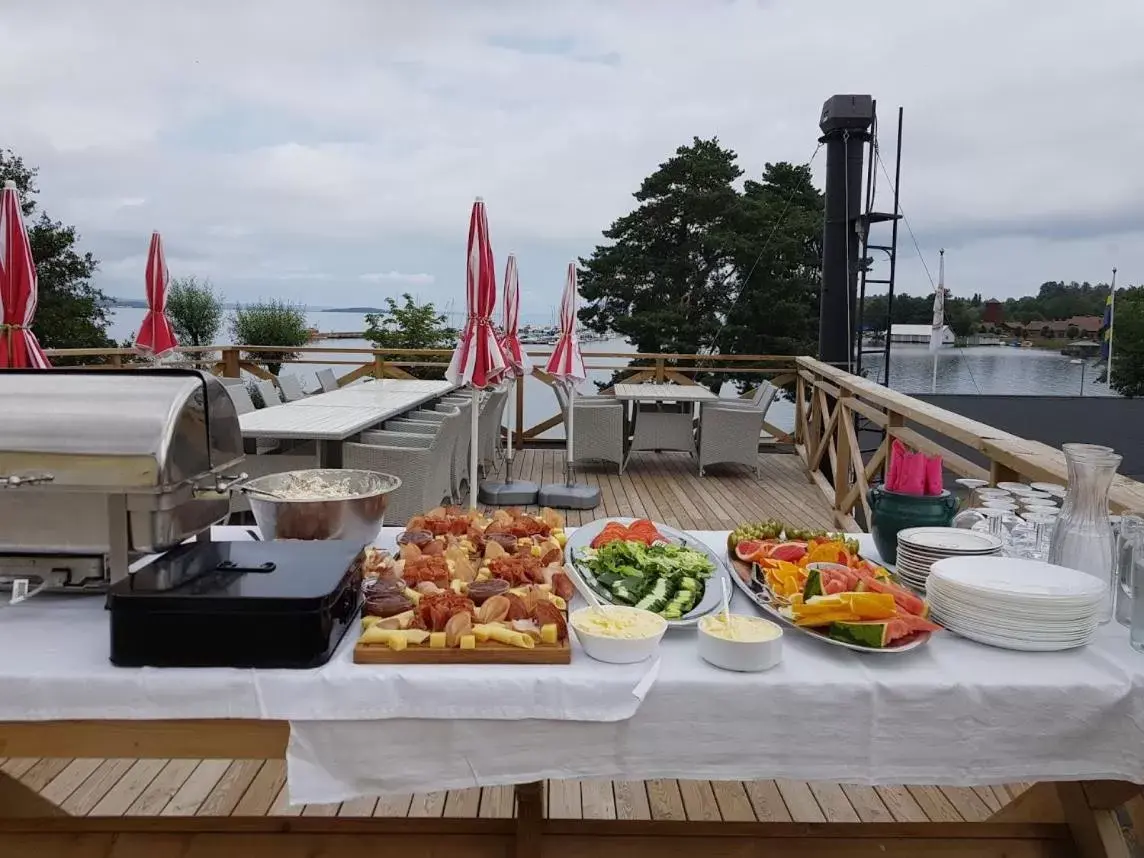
[1129, 542]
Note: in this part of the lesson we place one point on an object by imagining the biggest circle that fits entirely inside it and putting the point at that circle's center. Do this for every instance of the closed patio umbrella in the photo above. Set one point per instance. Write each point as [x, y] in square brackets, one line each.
[155, 336]
[566, 364]
[511, 492]
[19, 348]
[478, 360]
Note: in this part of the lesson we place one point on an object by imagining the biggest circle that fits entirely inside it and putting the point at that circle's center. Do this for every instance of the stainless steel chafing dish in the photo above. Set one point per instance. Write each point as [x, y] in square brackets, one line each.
[98, 468]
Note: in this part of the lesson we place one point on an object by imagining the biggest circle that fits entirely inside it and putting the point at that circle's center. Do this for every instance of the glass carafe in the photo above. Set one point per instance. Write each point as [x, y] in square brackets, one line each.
[1082, 537]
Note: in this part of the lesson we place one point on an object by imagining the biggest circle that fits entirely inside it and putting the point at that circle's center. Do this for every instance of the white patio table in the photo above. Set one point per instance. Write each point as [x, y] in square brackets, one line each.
[657, 428]
[331, 418]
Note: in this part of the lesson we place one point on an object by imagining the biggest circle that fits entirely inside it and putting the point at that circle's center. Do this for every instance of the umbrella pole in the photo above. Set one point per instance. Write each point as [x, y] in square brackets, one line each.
[474, 451]
[508, 449]
[571, 432]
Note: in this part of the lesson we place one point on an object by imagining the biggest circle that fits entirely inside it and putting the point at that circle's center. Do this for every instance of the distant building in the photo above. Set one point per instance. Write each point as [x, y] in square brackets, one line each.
[1087, 327]
[993, 313]
[919, 334]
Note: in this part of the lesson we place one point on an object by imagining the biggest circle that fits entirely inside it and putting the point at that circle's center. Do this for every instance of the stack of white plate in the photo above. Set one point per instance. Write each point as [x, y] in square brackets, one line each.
[920, 547]
[1015, 604]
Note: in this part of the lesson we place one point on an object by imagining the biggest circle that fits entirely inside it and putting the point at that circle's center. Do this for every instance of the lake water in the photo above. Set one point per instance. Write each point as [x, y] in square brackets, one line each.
[984, 369]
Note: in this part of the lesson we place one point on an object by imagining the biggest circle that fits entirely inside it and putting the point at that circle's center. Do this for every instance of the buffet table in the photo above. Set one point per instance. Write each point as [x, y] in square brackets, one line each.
[950, 713]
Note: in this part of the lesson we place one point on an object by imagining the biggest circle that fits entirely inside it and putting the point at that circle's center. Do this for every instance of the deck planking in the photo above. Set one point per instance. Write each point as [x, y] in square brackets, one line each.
[665, 487]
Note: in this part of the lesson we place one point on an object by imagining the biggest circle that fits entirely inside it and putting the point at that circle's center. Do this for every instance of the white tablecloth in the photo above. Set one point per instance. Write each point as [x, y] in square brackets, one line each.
[952, 712]
[54, 666]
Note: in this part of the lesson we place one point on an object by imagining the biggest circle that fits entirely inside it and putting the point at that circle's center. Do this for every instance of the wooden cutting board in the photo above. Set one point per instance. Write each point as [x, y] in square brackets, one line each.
[489, 652]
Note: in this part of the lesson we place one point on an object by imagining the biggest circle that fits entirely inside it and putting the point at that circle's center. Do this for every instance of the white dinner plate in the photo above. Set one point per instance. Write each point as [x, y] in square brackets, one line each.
[1017, 578]
[949, 539]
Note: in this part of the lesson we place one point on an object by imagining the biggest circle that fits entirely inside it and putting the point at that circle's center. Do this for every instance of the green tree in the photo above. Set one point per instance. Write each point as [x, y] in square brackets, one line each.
[777, 263]
[270, 323]
[665, 276]
[1127, 377]
[71, 312]
[410, 325]
[195, 310]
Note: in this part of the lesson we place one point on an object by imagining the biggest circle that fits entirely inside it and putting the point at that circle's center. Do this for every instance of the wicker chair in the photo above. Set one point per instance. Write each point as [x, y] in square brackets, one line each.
[269, 393]
[240, 396]
[492, 414]
[599, 428]
[423, 420]
[729, 431]
[327, 380]
[418, 459]
[291, 387]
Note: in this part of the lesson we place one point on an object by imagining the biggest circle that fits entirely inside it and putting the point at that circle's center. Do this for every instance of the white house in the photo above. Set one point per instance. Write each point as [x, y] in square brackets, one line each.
[919, 334]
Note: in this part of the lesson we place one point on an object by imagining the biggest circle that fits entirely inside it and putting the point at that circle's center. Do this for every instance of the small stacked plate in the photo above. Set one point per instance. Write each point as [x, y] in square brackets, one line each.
[920, 547]
[1016, 604]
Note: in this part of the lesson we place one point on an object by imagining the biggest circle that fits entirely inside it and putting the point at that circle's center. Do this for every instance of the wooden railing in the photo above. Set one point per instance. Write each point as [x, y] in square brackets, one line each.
[835, 411]
[231, 361]
[844, 424]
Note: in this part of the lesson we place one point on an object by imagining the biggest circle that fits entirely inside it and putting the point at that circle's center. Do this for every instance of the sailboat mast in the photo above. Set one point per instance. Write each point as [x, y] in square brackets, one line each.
[1111, 325]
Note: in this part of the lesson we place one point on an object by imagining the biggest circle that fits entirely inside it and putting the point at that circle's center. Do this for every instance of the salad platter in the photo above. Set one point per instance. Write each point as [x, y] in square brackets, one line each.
[646, 565]
[466, 588]
[818, 583]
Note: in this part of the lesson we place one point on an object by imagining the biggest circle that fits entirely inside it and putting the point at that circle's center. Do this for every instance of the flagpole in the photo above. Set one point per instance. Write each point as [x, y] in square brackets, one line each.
[940, 322]
[1111, 326]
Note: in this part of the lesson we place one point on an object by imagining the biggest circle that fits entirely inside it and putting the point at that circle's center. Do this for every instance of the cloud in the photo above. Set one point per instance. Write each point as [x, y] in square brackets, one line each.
[398, 278]
[284, 153]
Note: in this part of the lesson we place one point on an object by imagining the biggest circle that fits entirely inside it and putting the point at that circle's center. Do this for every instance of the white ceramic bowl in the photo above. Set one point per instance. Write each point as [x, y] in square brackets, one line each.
[617, 650]
[745, 656]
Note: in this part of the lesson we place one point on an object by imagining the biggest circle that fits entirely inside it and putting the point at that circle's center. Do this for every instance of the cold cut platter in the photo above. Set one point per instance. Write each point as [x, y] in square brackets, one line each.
[466, 588]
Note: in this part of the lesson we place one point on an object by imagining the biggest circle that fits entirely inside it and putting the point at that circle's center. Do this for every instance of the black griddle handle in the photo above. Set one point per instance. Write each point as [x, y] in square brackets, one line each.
[231, 566]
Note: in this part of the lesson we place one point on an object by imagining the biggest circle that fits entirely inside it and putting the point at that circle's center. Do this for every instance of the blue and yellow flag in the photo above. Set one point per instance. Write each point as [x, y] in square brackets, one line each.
[1106, 326]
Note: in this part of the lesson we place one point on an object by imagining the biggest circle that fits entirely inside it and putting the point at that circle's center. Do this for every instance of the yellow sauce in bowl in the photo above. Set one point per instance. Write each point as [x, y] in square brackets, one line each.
[739, 628]
[619, 622]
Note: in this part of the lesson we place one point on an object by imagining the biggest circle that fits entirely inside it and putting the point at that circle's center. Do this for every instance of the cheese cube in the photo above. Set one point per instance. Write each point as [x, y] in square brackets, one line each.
[468, 642]
[548, 633]
[437, 640]
[397, 643]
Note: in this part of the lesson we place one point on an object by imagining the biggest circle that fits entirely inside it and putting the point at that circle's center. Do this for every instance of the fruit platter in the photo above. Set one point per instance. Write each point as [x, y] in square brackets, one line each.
[818, 583]
[646, 565]
[468, 588]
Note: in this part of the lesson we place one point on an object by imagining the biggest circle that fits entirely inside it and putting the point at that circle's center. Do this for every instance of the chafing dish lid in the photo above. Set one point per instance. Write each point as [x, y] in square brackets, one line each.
[117, 430]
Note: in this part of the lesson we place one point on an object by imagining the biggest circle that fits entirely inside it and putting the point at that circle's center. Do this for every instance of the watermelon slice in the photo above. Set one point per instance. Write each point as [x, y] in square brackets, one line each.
[827, 580]
[878, 634]
[909, 602]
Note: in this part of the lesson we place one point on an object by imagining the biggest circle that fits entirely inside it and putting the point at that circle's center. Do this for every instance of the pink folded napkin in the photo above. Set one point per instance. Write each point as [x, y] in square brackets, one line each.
[913, 473]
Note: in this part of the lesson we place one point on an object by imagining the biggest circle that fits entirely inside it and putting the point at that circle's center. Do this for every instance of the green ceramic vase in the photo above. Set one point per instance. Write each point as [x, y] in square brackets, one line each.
[893, 511]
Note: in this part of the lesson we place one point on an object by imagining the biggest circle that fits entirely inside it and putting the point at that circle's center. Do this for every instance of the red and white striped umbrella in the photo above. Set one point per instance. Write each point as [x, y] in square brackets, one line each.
[19, 347]
[517, 358]
[478, 359]
[566, 362]
[155, 335]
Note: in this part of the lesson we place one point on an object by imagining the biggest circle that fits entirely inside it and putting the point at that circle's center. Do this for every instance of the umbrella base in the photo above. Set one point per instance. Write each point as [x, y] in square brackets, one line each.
[510, 493]
[569, 496]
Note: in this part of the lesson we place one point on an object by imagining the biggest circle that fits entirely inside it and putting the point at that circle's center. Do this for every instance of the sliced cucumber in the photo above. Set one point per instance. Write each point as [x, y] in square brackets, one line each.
[656, 598]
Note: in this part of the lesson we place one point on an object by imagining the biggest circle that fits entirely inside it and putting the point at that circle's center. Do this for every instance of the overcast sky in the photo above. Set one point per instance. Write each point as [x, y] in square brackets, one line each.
[329, 152]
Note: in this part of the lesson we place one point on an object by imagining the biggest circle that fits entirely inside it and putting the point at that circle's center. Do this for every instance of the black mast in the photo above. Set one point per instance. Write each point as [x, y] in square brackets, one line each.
[845, 125]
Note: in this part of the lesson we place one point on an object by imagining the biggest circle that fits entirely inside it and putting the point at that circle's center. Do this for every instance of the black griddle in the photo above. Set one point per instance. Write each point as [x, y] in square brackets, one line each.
[282, 604]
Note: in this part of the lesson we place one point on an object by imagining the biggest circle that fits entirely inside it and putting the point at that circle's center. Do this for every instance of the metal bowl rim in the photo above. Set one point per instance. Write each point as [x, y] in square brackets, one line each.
[393, 483]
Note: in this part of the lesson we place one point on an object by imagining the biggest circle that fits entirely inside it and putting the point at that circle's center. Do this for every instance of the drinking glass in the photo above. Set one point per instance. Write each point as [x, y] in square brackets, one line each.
[1129, 550]
[1040, 533]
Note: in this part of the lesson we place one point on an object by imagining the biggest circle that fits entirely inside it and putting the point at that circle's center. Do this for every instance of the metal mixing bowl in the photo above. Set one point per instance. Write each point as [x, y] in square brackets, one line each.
[354, 509]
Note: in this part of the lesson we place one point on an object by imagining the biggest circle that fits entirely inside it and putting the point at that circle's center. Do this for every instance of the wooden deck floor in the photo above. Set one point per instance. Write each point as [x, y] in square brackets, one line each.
[666, 488]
